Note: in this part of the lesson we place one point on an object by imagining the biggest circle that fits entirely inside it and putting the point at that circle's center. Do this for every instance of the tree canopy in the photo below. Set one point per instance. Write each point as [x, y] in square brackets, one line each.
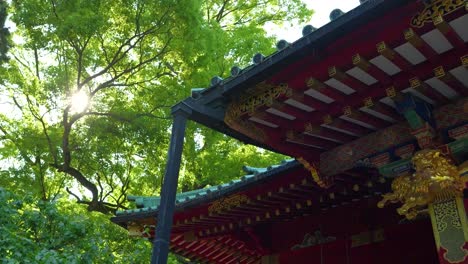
[87, 90]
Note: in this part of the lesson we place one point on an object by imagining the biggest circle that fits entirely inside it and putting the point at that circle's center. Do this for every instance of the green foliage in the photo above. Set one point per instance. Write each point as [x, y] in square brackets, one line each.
[133, 59]
[34, 231]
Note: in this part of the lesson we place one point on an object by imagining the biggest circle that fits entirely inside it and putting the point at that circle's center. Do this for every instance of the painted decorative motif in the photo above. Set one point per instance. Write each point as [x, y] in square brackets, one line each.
[347, 155]
[312, 168]
[313, 239]
[459, 132]
[369, 237]
[436, 178]
[228, 202]
[448, 228]
[263, 94]
[436, 8]
[451, 114]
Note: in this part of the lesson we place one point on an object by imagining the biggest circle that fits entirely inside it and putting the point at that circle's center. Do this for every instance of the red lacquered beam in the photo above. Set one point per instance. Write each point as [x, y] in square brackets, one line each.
[414, 39]
[450, 80]
[447, 31]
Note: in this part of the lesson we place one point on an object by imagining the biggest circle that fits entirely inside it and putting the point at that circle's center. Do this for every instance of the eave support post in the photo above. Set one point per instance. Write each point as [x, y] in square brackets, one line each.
[169, 188]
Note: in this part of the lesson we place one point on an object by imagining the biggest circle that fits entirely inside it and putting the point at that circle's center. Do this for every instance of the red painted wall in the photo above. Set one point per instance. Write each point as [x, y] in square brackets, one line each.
[404, 242]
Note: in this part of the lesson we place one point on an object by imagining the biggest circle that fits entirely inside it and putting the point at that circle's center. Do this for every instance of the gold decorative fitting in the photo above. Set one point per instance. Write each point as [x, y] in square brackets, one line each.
[436, 8]
[391, 92]
[260, 95]
[436, 179]
[368, 102]
[409, 33]
[381, 47]
[356, 59]
[313, 171]
[332, 71]
[464, 60]
[311, 82]
[327, 119]
[437, 19]
[439, 72]
[414, 82]
[347, 111]
[227, 203]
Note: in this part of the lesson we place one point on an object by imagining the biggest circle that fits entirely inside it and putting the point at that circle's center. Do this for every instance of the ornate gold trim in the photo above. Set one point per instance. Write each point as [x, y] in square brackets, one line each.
[436, 179]
[436, 8]
[263, 94]
[312, 168]
[228, 203]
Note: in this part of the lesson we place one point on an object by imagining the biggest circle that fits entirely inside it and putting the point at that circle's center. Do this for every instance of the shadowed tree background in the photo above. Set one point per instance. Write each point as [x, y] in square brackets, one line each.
[85, 99]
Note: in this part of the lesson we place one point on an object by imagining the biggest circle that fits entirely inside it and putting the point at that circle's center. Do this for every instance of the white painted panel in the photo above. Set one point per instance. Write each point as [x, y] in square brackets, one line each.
[361, 75]
[300, 143]
[299, 105]
[340, 130]
[388, 101]
[437, 41]
[280, 113]
[418, 94]
[263, 122]
[385, 65]
[461, 74]
[442, 88]
[460, 25]
[410, 53]
[357, 122]
[322, 137]
[319, 96]
[377, 114]
[340, 86]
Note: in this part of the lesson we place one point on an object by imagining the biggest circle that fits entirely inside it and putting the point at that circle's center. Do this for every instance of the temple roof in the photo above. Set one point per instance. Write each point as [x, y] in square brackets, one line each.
[150, 204]
[340, 82]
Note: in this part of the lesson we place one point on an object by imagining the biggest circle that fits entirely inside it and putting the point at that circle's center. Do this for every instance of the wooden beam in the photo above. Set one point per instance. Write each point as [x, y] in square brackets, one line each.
[450, 80]
[447, 30]
[339, 75]
[418, 43]
[386, 51]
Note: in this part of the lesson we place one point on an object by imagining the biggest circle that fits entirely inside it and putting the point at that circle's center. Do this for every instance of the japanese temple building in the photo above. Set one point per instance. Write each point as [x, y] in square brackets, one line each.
[373, 110]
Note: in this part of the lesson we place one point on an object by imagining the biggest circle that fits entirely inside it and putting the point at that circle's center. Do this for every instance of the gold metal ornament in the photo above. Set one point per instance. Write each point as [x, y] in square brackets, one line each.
[227, 203]
[436, 179]
[436, 10]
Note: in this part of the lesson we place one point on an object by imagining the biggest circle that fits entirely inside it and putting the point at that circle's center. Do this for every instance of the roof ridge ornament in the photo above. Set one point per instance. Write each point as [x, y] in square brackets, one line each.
[307, 30]
[335, 14]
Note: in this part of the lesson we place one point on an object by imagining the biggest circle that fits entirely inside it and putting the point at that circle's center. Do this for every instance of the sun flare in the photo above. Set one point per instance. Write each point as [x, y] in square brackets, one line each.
[79, 102]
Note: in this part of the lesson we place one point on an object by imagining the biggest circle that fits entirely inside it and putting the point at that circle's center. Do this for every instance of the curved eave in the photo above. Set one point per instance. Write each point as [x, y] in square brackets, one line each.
[239, 186]
[209, 108]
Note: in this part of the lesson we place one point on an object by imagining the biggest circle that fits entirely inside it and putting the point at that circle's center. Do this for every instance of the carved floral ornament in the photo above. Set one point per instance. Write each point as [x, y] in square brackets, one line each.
[228, 202]
[436, 10]
[263, 94]
[436, 179]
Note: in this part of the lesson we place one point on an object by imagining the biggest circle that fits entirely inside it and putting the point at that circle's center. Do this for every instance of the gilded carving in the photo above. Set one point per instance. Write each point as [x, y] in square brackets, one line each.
[313, 171]
[436, 8]
[436, 179]
[263, 94]
[228, 202]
